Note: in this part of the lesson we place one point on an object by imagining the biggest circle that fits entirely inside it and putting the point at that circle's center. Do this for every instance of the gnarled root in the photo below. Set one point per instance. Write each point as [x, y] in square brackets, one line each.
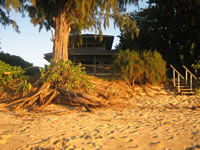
[45, 95]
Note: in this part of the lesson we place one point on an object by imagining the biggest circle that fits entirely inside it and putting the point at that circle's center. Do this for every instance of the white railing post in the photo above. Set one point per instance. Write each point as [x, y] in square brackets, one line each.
[174, 78]
[179, 84]
[186, 77]
[191, 77]
[190, 82]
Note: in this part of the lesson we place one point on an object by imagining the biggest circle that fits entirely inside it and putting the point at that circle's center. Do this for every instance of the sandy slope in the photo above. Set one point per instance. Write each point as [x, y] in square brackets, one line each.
[150, 118]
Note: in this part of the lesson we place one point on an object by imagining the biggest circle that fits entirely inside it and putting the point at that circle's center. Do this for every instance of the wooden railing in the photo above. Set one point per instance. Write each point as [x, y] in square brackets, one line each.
[191, 76]
[99, 69]
[174, 78]
[186, 86]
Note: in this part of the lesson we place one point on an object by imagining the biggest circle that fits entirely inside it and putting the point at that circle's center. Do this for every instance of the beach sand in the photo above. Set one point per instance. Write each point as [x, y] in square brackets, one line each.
[162, 121]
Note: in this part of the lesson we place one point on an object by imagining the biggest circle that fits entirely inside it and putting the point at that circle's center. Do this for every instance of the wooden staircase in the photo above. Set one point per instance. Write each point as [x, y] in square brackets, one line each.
[184, 85]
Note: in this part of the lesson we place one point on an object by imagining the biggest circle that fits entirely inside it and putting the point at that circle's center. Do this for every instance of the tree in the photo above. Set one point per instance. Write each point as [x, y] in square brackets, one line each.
[145, 67]
[171, 27]
[4, 16]
[68, 16]
[73, 16]
[14, 60]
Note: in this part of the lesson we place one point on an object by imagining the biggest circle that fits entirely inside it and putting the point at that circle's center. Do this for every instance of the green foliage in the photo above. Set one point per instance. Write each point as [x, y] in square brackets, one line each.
[5, 17]
[80, 14]
[155, 66]
[130, 64]
[84, 14]
[145, 67]
[65, 73]
[32, 71]
[13, 77]
[14, 60]
[196, 67]
[25, 87]
[197, 86]
[14, 72]
[171, 27]
[74, 16]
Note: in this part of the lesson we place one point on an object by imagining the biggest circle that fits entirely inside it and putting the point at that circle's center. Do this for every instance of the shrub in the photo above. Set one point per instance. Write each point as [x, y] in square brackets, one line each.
[196, 67]
[18, 61]
[65, 73]
[130, 66]
[154, 67]
[32, 71]
[145, 67]
[13, 77]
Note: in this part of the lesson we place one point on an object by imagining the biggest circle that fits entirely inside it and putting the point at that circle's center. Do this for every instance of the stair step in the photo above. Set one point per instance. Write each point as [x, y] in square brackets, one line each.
[176, 79]
[182, 86]
[181, 80]
[186, 89]
[187, 92]
[180, 83]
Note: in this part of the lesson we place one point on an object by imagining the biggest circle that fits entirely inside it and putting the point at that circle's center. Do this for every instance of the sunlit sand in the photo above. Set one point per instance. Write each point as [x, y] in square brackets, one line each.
[150, 117]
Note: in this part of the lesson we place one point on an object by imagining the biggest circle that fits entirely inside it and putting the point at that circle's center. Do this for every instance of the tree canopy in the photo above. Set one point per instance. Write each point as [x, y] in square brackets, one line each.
[5, 15]
[172, 27]
[73, 16]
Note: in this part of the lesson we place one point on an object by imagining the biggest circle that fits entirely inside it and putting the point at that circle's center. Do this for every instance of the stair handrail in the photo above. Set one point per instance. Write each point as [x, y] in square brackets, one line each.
[177, 71]
[174, 76]
[191, 76]
[190, 72]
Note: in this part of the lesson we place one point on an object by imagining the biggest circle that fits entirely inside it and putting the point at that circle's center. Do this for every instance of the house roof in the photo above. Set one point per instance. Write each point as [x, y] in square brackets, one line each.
[85, 52]
[90, 50]
[108, 38]
[92, 35]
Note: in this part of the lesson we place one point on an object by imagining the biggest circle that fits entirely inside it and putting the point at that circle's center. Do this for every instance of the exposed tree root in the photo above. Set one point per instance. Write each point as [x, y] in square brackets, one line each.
[81, 99]
[46, 95]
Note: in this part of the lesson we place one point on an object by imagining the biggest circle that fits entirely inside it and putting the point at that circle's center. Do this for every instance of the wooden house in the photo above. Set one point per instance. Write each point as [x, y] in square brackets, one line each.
[96, 56]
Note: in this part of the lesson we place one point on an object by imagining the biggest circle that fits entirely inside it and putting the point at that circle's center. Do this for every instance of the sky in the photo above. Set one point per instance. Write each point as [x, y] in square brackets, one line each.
[31, 45]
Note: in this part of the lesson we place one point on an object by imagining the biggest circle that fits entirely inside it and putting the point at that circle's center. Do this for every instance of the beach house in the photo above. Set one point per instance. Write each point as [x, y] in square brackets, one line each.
[95, 55]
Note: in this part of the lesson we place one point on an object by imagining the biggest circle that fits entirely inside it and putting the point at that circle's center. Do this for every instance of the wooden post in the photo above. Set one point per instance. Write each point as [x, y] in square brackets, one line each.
[179, 84]
[94, 65]
[174, 75]
[190, 82]
[74, 59]
[186, 77]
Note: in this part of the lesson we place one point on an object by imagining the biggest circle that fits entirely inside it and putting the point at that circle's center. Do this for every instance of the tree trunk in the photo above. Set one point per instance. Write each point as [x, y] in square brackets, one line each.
[62, 30]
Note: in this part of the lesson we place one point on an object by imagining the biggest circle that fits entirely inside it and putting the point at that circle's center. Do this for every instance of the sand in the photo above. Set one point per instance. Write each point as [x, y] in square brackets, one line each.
[146, 121]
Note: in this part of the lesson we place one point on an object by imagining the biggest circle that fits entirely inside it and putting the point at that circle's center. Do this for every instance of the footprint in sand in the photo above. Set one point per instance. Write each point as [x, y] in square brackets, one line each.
[4, 138]
[135, 146]
[152, 143]
[170, 138]
[23, 130]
